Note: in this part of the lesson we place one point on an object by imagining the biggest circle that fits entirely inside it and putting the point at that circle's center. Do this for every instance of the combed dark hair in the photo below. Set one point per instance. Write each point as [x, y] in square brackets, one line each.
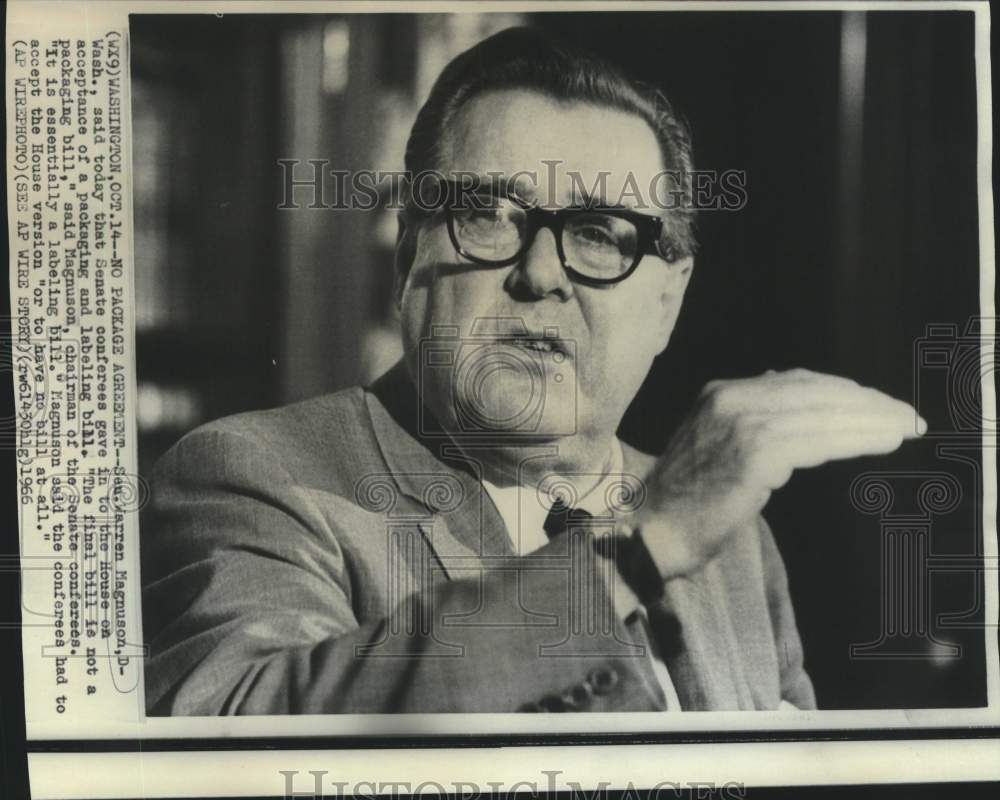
[527, 58]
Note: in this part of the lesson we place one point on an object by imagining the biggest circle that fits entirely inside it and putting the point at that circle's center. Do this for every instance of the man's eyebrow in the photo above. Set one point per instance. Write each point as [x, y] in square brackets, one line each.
[491, 183]
[581, 197]
[521, 185]
[601, 203]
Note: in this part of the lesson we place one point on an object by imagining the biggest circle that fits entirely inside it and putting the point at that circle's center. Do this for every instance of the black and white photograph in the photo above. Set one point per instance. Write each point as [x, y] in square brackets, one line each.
[566, 396]
[588, 362]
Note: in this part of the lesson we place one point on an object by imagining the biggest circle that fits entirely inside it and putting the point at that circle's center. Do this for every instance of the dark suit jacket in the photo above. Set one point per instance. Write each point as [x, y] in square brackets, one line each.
[323, 558]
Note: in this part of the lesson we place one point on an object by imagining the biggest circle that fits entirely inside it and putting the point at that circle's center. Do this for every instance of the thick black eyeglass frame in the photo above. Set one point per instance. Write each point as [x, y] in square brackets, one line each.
[649, 230]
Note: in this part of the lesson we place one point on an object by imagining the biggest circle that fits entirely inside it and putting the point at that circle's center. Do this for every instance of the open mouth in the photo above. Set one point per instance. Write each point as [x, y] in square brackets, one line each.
[538, 344]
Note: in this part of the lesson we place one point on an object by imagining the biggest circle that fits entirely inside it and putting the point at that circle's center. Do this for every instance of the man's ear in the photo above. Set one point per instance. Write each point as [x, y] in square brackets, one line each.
[672, 297]
[406, 248]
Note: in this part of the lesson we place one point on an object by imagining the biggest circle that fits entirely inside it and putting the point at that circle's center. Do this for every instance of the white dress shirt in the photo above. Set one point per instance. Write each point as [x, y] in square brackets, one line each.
[524, 510]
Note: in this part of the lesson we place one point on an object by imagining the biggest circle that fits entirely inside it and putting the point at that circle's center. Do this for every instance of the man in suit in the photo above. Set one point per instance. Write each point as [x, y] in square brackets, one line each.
[469, 534]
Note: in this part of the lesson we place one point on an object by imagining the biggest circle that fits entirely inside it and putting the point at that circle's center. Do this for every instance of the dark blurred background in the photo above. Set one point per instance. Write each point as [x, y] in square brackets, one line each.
[857, 132]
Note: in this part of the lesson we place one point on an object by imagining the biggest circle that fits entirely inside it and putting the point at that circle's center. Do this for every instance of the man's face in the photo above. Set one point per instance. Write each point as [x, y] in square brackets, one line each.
[577, 393]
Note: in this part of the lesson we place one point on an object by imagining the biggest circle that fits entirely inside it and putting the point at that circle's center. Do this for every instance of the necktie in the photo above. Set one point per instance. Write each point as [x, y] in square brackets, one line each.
[561, 517]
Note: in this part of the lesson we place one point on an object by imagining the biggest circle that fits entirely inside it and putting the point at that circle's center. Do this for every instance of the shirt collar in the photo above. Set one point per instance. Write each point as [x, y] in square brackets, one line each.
[524, 508]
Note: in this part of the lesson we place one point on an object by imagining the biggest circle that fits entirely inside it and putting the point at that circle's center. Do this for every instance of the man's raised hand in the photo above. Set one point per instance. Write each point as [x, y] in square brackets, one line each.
[742, 441]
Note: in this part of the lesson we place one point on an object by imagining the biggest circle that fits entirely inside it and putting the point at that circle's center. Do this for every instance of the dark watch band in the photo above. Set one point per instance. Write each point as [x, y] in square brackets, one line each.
[634, 563]
[641, 572]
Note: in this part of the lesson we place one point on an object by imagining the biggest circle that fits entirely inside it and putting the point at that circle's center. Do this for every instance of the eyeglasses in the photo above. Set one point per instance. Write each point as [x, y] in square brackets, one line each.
[596, 246]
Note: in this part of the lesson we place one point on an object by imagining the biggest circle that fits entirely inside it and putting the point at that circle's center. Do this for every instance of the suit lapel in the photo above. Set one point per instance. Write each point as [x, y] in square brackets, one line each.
[461, 523]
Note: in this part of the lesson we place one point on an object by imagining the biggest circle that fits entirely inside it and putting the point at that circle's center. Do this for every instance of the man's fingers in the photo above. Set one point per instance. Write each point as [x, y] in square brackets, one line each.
[800, 452]
[779, 394]
[757, 431]
[901, 419]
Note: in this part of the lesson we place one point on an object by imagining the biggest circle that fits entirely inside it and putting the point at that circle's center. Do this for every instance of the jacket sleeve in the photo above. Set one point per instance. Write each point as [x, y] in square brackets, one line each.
[248, 608]
[796, 686]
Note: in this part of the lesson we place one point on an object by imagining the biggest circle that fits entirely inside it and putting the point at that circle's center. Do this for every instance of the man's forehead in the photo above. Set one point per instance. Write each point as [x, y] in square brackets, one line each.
[553, 151]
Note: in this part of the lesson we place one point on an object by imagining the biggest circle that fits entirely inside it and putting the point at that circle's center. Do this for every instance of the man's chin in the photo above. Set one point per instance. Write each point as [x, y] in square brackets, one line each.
[524, 458]
[519, 422]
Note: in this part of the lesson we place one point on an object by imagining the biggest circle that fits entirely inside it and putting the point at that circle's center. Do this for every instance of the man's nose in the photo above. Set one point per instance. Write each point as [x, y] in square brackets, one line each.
[539, 273]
